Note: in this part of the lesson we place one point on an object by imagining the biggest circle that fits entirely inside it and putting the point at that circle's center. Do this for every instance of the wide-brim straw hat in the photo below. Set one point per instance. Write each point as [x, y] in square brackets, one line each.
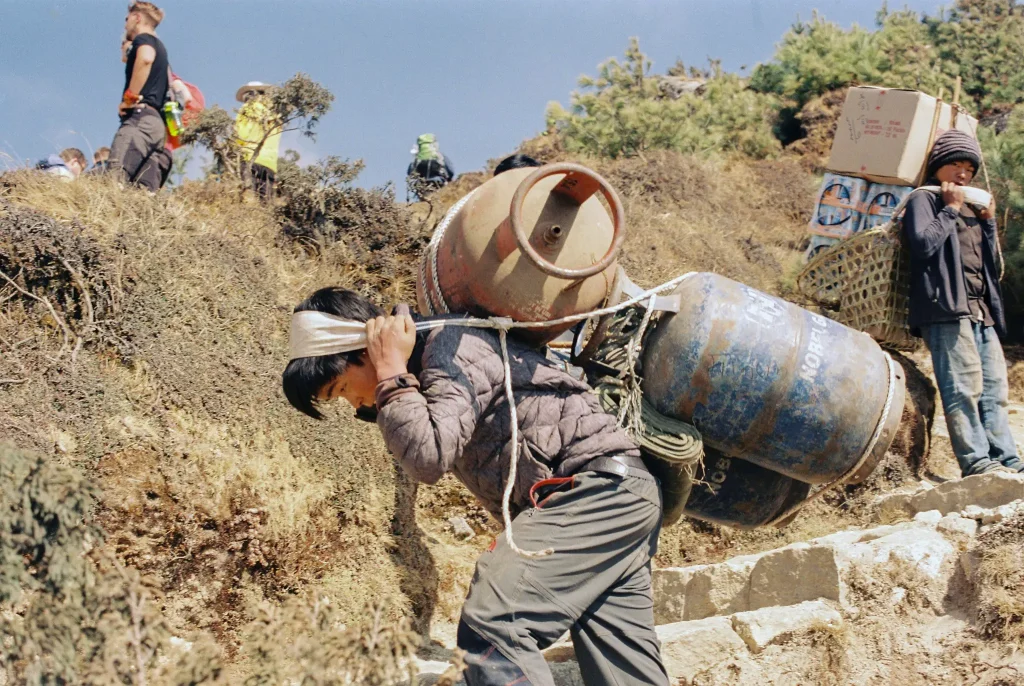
[252, 86]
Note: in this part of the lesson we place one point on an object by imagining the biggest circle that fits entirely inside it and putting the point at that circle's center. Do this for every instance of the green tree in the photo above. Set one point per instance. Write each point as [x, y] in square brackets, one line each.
[622, 112]
[982, 41]
[818, 56]
[909, 55]
[1004, 156]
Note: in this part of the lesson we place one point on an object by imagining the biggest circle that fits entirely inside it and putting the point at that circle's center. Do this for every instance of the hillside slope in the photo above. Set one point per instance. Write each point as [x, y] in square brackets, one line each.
[144, 339]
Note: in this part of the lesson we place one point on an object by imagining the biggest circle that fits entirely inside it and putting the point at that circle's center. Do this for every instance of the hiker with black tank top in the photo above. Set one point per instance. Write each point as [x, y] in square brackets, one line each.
[956, 306]
[142, 132]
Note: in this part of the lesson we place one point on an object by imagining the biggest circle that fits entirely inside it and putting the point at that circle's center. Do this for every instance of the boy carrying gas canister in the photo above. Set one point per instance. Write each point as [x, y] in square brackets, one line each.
[581, 489]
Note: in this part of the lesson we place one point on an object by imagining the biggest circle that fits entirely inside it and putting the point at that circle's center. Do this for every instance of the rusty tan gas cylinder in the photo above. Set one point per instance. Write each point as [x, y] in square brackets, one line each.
[532, 244]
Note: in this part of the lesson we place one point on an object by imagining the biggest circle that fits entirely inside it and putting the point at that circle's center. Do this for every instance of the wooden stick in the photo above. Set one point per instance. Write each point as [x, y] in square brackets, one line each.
[956, 103]
[931, 135]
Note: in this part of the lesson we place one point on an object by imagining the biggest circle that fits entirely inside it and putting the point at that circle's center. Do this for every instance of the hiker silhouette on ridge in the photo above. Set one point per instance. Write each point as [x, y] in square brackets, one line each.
[143, 132]
[429, 169]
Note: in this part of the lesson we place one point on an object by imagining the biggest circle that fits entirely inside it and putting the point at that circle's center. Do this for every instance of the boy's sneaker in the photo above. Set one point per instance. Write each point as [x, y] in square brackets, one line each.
[991, 467]
[1014, 464]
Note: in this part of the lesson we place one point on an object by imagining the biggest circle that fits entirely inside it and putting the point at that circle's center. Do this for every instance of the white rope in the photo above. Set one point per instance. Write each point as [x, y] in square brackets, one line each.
[512, 468]
[430, 260]
[630, 410]
[875, 437]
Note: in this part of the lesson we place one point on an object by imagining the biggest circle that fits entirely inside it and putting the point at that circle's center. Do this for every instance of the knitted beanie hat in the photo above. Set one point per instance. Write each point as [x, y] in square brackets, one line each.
[953, 146]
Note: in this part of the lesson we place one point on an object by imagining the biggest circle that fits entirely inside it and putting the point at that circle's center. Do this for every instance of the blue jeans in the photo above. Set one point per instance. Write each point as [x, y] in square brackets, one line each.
[971, 373]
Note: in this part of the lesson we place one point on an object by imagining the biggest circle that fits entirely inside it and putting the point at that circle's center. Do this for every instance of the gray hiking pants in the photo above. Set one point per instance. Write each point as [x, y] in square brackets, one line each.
[597, 585]
[141, 135]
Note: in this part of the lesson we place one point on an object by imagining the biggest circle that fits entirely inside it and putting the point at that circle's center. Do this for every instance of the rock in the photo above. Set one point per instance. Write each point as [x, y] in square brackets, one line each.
[975, 512]
[567, 674]
[983, 490]
[461, 528]
[669, 586]
[931, 517]
[428, 671]
[720, 589]
[897, 596]
[924, 548]
[689, 648]
[1000, 513]
[851, 536]
[791, 575]
[691, 593]
[956, 525]
[674, 87]
[761, 628]
[63, 442]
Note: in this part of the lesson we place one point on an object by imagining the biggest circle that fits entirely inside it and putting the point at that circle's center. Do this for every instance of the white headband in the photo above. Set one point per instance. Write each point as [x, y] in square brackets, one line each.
[316, 334]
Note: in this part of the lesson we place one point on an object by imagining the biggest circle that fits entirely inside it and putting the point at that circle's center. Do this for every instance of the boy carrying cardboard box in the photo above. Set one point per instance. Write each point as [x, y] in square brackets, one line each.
[956, 306]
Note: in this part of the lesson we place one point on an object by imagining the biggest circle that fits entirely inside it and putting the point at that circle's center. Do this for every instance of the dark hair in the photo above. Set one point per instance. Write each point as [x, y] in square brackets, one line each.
[305, 377]
[516, 162]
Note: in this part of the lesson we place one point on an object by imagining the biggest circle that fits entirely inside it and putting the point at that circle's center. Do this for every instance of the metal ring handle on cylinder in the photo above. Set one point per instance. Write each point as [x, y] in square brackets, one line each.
[579, 184]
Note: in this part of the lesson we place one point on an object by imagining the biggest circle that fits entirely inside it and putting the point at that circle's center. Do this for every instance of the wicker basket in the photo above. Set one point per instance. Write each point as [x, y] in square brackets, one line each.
[864, 283]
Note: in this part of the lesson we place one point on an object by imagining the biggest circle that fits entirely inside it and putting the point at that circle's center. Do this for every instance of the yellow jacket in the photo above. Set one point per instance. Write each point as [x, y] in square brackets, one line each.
[251, 126]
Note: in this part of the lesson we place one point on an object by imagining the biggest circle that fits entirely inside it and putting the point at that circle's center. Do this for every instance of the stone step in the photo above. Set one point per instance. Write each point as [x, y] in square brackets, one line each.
[711, 616]
[691, 648]
[751, 582]
[982, 490]
[801, 571]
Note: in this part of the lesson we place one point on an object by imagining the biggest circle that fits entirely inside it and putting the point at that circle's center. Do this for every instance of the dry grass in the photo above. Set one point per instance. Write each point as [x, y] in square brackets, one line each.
[998, 581]
[211, 481]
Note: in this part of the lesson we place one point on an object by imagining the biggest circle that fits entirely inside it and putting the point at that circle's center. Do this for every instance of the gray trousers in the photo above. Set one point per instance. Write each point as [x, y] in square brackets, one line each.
[141, 135]
[597, 585]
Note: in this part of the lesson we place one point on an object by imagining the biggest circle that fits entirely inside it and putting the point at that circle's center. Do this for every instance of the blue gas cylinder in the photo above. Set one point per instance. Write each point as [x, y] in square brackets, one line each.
[740, 494]
[772, 383]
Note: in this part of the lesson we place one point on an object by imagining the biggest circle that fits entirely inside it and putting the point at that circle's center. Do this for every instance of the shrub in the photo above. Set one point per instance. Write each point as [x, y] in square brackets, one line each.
[71, 612]
[322, 208]
[982, 41]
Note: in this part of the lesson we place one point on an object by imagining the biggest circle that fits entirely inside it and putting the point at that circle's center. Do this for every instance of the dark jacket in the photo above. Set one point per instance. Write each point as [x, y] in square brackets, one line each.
[432, 171]
[454, 417]
[938, 290]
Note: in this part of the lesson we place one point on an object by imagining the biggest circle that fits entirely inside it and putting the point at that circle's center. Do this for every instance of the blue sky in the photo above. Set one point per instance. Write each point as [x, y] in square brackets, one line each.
[478, 73]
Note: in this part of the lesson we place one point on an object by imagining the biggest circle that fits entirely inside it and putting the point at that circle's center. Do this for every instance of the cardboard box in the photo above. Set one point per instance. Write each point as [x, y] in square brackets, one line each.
[837, 212]
[882, 199]
[883, 134]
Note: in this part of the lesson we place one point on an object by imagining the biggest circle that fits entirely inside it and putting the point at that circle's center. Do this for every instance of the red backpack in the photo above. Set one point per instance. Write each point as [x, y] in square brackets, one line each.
[192, 108]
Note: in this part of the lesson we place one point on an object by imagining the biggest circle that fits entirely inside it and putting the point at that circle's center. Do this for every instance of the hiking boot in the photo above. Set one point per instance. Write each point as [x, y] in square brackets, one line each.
[990, 467]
